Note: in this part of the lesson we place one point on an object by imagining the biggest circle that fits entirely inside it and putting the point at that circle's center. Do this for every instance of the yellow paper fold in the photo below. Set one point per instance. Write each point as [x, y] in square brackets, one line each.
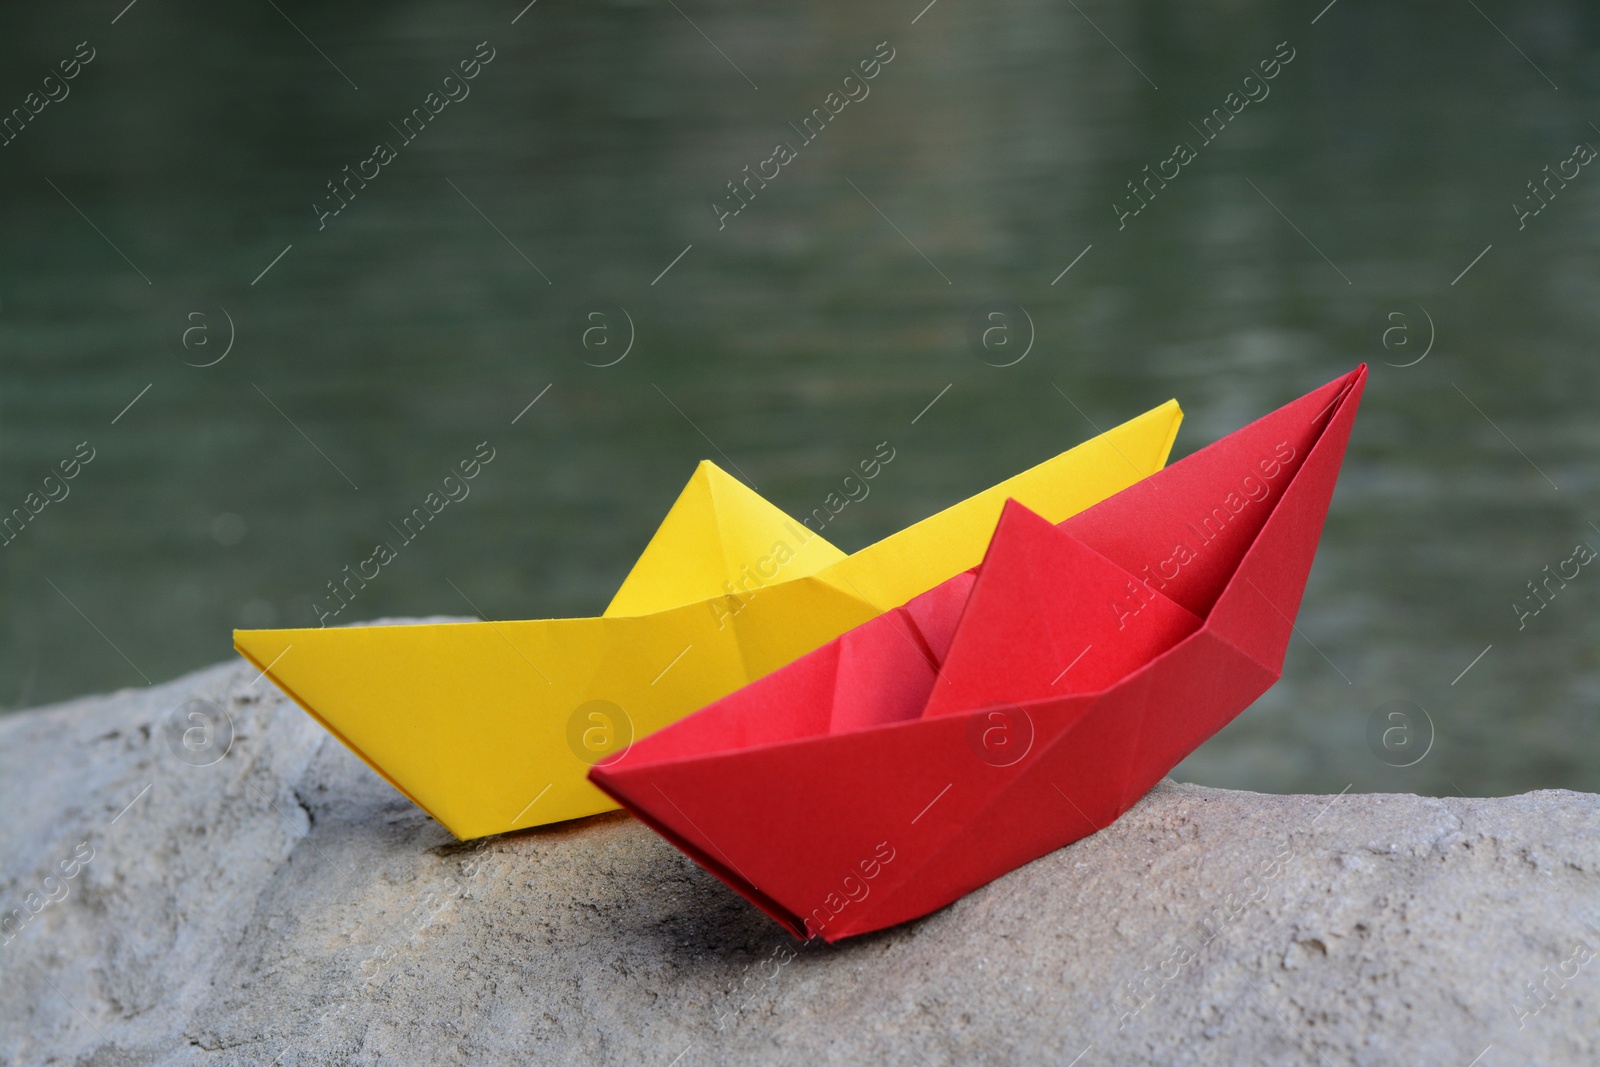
[492, 726]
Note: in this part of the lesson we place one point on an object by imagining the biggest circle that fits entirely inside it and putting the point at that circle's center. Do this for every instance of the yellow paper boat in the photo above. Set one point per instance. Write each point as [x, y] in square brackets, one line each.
[492, 726]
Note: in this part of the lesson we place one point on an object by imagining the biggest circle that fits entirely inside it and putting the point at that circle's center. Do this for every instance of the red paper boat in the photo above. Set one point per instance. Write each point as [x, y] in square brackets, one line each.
[1013, 709]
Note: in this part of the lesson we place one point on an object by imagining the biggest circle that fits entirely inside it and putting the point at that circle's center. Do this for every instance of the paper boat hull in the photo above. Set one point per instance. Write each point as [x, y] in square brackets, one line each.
[829, 796]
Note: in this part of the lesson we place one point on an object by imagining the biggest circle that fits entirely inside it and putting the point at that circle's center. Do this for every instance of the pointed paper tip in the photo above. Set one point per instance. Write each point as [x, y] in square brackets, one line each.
[1014, 510]
[708, 469]
[716, 529]
[1018, 524]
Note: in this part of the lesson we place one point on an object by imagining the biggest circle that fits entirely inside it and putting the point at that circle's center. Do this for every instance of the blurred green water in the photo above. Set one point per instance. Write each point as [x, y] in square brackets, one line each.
[425, 316]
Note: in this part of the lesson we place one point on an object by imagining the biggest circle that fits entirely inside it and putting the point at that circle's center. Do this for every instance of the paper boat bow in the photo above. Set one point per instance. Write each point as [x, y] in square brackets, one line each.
[1010, 710]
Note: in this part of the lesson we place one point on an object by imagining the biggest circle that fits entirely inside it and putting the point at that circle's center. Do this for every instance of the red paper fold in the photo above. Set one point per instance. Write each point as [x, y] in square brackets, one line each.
[949, 741]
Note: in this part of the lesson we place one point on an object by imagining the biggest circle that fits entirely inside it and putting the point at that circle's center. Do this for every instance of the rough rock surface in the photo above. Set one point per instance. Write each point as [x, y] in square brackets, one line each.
[282, 904]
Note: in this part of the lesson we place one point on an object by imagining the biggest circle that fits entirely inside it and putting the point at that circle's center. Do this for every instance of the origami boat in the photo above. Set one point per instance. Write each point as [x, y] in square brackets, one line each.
[1010, 710]
[492, 726]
